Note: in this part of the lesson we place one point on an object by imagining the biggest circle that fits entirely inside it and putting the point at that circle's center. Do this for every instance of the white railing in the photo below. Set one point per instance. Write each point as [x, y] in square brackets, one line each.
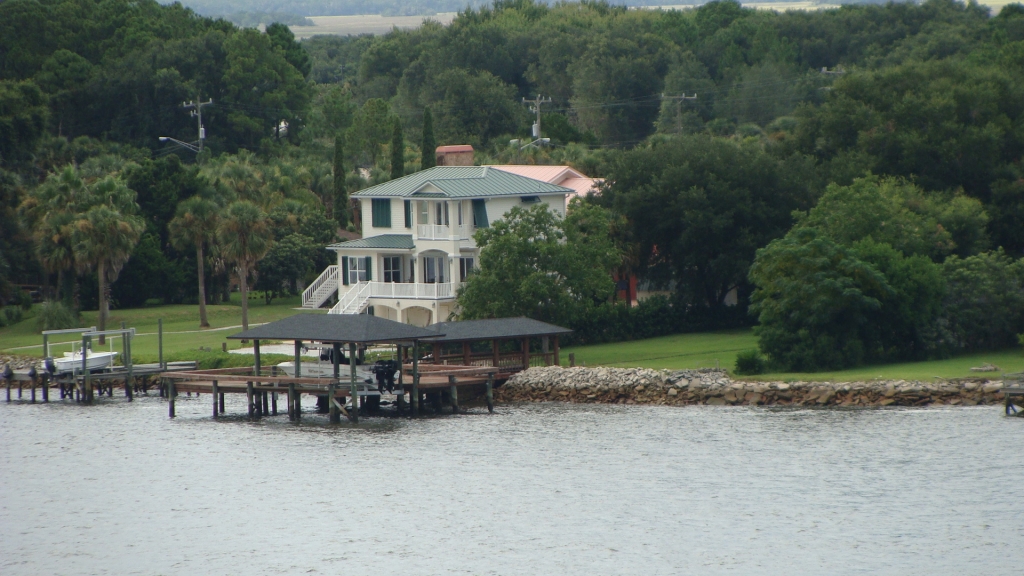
[441, 232]
[417, 291]
[321, 289]
[355, 300]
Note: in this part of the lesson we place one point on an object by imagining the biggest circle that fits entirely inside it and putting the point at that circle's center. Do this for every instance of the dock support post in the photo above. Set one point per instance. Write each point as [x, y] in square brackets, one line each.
[7, 381]
[171, 394]
[35, 380]
[291, 402]
[266, 404]
[160, 342]
[216, 393]
[490, 392]
[354, 414]
[46, 387]
[332, 410]
[454, 392]
[130, 378]
[414, 398]
[249, 396]
[86, 384]
[273, 403]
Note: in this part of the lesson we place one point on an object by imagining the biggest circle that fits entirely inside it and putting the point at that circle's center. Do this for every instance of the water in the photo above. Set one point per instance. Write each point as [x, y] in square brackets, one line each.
[534, 489]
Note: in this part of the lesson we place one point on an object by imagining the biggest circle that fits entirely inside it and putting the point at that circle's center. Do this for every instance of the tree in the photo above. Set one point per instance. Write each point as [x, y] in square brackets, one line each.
[700, 207]
[285, 264]
[194, 225]
[428, 147]
[340, 207]
[984, 304]
[370, 128]
[244, 237]
[397, 151]
[23, 115]
[105, 234]
[532, 263]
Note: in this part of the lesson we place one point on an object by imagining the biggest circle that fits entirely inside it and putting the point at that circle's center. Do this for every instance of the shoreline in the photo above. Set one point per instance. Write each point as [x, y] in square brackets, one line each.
[712, 387]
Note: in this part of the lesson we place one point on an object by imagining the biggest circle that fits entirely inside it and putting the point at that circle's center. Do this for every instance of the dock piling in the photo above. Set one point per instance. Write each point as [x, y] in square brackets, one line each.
[273, 403]
[216, 393]
[354, 415]
[249, 396]
[171, 394]
[490, 392]
[291, 402]
[454, 392]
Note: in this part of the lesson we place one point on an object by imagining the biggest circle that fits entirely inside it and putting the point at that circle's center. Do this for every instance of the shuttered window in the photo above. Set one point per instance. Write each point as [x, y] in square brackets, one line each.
[381, 212]
[480, 214]
[408, 214]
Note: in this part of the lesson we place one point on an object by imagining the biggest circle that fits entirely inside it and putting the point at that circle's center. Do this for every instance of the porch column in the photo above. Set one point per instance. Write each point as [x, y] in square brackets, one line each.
[497, 354]
[465, 353]
[526, 353]
[557, 363]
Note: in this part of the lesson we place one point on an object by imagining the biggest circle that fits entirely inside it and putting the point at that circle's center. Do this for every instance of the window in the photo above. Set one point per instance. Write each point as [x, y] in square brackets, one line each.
[358, 270]
[480, 213]
[408, 213]
[381, 212]
[465, 268]
[434, 270]
[423, 213]
[529, 199]
[392, 268]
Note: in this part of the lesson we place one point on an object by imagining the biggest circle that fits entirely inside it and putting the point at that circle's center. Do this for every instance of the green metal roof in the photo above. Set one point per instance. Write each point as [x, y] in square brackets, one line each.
[460, 182]
[386, 241]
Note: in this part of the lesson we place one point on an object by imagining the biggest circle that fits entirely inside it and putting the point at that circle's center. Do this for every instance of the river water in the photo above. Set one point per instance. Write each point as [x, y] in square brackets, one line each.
[534, 489]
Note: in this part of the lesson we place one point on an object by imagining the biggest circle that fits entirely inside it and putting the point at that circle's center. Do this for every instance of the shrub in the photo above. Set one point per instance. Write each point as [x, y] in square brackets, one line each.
[55, 316]
[749, 362]
[10, 316]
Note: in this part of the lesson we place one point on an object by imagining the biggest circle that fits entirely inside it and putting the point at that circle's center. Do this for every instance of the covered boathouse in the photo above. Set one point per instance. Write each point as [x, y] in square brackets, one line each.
[506, 343]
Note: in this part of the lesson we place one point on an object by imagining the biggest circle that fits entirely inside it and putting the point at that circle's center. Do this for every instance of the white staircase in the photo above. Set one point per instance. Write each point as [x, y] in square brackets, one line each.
[321, 289]
[353, 301]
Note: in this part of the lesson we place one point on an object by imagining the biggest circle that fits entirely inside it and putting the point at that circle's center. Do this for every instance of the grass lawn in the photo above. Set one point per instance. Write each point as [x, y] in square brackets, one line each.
[710, 349]
[182, 337]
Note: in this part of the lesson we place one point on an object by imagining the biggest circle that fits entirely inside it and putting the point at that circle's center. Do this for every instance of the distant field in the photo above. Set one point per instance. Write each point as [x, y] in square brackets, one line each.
[370, 24]
[711, 349]
[377, 24]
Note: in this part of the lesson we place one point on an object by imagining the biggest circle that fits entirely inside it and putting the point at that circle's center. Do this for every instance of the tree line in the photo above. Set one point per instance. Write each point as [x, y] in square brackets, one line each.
[744, 152]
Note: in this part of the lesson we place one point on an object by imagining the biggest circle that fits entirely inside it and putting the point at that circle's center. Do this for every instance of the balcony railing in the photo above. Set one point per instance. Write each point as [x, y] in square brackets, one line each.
[417, 291]
[442, 232]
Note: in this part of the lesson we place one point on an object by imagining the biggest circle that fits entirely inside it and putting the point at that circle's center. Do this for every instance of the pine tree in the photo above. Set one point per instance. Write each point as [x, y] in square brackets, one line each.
[340, 205]
[397, 151]
[429, 146]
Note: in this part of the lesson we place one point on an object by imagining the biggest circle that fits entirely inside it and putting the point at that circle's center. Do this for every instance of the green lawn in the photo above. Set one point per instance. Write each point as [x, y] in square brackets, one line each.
[182, 337]
[710, 349]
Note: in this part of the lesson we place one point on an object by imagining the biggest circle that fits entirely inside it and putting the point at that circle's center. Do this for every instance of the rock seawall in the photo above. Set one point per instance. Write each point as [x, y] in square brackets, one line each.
[715, 387]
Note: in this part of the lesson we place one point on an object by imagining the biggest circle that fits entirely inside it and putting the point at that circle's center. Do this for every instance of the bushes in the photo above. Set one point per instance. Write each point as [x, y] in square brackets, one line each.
[55, 316]
[750, 362]
[10, 315]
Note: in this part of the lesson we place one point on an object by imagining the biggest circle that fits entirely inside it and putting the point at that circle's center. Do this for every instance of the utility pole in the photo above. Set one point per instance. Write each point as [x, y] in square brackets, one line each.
[535, 107]
[197, 113]
[679, 116]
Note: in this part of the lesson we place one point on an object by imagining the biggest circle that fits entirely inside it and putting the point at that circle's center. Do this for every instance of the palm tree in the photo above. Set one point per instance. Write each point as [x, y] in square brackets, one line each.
[105, 234]
[245, 238]
[195, 224]
[51, 210]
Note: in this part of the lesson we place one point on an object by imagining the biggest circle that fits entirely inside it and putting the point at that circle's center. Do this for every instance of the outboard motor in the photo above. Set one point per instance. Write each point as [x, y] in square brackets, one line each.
[49, 365]
[7, 373]
[385, 370]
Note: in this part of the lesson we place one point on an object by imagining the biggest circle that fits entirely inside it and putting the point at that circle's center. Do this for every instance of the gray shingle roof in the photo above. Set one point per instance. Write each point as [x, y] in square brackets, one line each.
[358, 328]
[460, 182]
[495, 328]
[387, 241]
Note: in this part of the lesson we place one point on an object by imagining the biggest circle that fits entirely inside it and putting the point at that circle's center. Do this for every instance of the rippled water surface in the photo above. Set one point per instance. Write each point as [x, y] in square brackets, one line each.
[539, 489]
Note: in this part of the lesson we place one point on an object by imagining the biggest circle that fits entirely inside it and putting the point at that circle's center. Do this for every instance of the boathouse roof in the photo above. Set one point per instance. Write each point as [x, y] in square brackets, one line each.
[494, 329]
[358, 328]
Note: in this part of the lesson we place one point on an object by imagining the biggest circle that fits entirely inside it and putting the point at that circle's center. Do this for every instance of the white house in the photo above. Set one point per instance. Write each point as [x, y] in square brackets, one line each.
[417, 244]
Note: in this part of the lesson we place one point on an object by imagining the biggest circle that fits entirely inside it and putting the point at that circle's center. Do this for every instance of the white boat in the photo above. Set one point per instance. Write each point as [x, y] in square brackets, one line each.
[314, 369]
[72, 361]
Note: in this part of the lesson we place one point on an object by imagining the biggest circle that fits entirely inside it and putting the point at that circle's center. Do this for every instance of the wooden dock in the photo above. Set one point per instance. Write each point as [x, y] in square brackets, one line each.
[83, 388]
[264, 388]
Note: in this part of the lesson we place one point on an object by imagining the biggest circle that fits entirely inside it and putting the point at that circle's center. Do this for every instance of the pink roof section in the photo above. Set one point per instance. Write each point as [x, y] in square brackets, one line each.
[565, 176]
[455, 148]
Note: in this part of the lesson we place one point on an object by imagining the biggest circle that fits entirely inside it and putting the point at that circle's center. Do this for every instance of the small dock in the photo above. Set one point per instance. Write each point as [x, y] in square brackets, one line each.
[1013, 394]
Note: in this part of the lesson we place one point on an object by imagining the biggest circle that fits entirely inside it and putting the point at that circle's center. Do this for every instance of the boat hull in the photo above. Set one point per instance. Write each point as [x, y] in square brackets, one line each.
[93, 361]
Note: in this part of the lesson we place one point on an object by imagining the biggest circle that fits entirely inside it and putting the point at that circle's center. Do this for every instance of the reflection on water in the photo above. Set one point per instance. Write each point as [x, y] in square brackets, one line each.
[533, 489]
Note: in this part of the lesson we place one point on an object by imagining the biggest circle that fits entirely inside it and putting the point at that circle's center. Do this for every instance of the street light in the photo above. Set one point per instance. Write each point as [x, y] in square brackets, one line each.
[190, 145]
